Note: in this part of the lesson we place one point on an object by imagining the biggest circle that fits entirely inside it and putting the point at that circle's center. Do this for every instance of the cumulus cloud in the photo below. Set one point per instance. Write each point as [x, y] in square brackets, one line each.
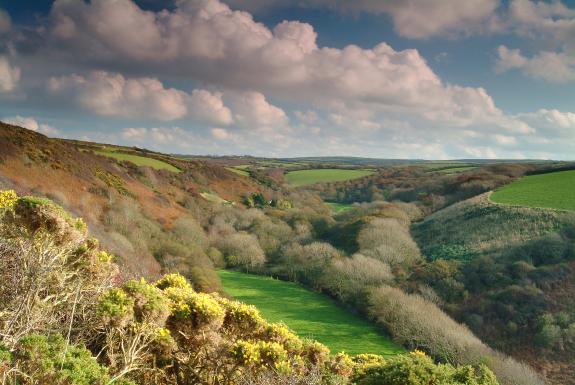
[209, 107]
[31, 124]
[549, 66]
[552, 123]
[549, 24]
[411, 18]
[110, 94]
[209, 41]
[9, 75]
[5, 22]
[252, 110]
[161, 137]
[113, 95]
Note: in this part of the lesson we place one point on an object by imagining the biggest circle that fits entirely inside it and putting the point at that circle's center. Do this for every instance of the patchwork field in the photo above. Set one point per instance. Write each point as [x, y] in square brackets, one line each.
[139, 160]
[554, 190]
[309, 314]
[308, 177]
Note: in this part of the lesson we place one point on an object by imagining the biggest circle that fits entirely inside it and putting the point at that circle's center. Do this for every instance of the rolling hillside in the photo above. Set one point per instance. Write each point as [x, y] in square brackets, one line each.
[117, 188]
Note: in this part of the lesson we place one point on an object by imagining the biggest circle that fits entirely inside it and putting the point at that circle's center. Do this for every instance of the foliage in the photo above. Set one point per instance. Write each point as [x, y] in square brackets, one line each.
[418, 369]
[39, 359]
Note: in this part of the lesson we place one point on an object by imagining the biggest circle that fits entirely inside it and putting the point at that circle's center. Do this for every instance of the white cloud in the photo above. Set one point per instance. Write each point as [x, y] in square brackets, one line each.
[552, 123]
[411, 18]
[207, 40]
[550, 66]
[113, 95]
[221, 134]
[547, 24]
[9, 75]
[160, 137]
[5, 22]
[505, 140]
[31, 124]
[109, 94]
[252, 110]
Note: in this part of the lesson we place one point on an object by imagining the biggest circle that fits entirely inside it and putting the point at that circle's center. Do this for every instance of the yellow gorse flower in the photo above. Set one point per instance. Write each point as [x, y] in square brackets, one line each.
[7, 199]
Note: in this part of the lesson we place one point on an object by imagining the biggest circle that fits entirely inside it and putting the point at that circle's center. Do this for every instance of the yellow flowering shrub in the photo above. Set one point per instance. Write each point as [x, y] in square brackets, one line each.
[245, 353]
[341, 364]
[272, 354]
[150, 303]
[242, 318]
[315, 352]
[173, 280]
[278, 332]
[7, 199]
[116, 307]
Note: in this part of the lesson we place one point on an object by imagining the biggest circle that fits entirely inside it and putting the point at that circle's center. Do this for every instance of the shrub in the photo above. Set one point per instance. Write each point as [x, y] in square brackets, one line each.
[418, 369]
[48, 360]
[387, 240]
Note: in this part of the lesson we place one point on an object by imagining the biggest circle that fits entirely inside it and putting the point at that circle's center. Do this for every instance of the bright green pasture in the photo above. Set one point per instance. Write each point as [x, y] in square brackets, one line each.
[139, 160]
[554, 190]
[326, 175]
[309, 314]
[238, 170]
[339, 207]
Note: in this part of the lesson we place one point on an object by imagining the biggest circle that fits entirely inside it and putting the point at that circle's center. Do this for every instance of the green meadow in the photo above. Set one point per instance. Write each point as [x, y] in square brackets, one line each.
[326, 175]
[554, 190]
[309, 314]
[139, 160]
[339, 207]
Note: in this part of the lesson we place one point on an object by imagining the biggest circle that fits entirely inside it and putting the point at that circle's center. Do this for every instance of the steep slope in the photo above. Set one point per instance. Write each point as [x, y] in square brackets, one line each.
[115, 197]
[508, 272]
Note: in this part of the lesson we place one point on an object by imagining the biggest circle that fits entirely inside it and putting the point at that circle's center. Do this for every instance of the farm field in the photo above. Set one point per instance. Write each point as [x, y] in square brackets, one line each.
[308, 177]
[139, 160]
[309, 314]
[554, 190]
[238, 170]
[339, 207]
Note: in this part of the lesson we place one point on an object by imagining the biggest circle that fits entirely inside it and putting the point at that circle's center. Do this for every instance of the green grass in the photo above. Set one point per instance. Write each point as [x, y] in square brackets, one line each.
[238, 170]
[309, 314]
[139, 160]
[555, 190]
[307, 177]
[339, 207]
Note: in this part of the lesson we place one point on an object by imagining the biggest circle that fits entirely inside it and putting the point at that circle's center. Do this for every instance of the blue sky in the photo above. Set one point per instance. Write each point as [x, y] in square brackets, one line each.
[378, 78]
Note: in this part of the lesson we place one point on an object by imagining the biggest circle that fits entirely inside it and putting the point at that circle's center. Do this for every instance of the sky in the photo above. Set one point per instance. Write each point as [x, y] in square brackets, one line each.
[423, 79]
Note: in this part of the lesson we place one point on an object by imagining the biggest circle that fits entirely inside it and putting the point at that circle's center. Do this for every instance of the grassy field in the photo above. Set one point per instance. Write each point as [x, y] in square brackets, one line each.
[238, 170]
[139, 160]
[339, 207]
[307, 177]
[554, 190]
[309, 314]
